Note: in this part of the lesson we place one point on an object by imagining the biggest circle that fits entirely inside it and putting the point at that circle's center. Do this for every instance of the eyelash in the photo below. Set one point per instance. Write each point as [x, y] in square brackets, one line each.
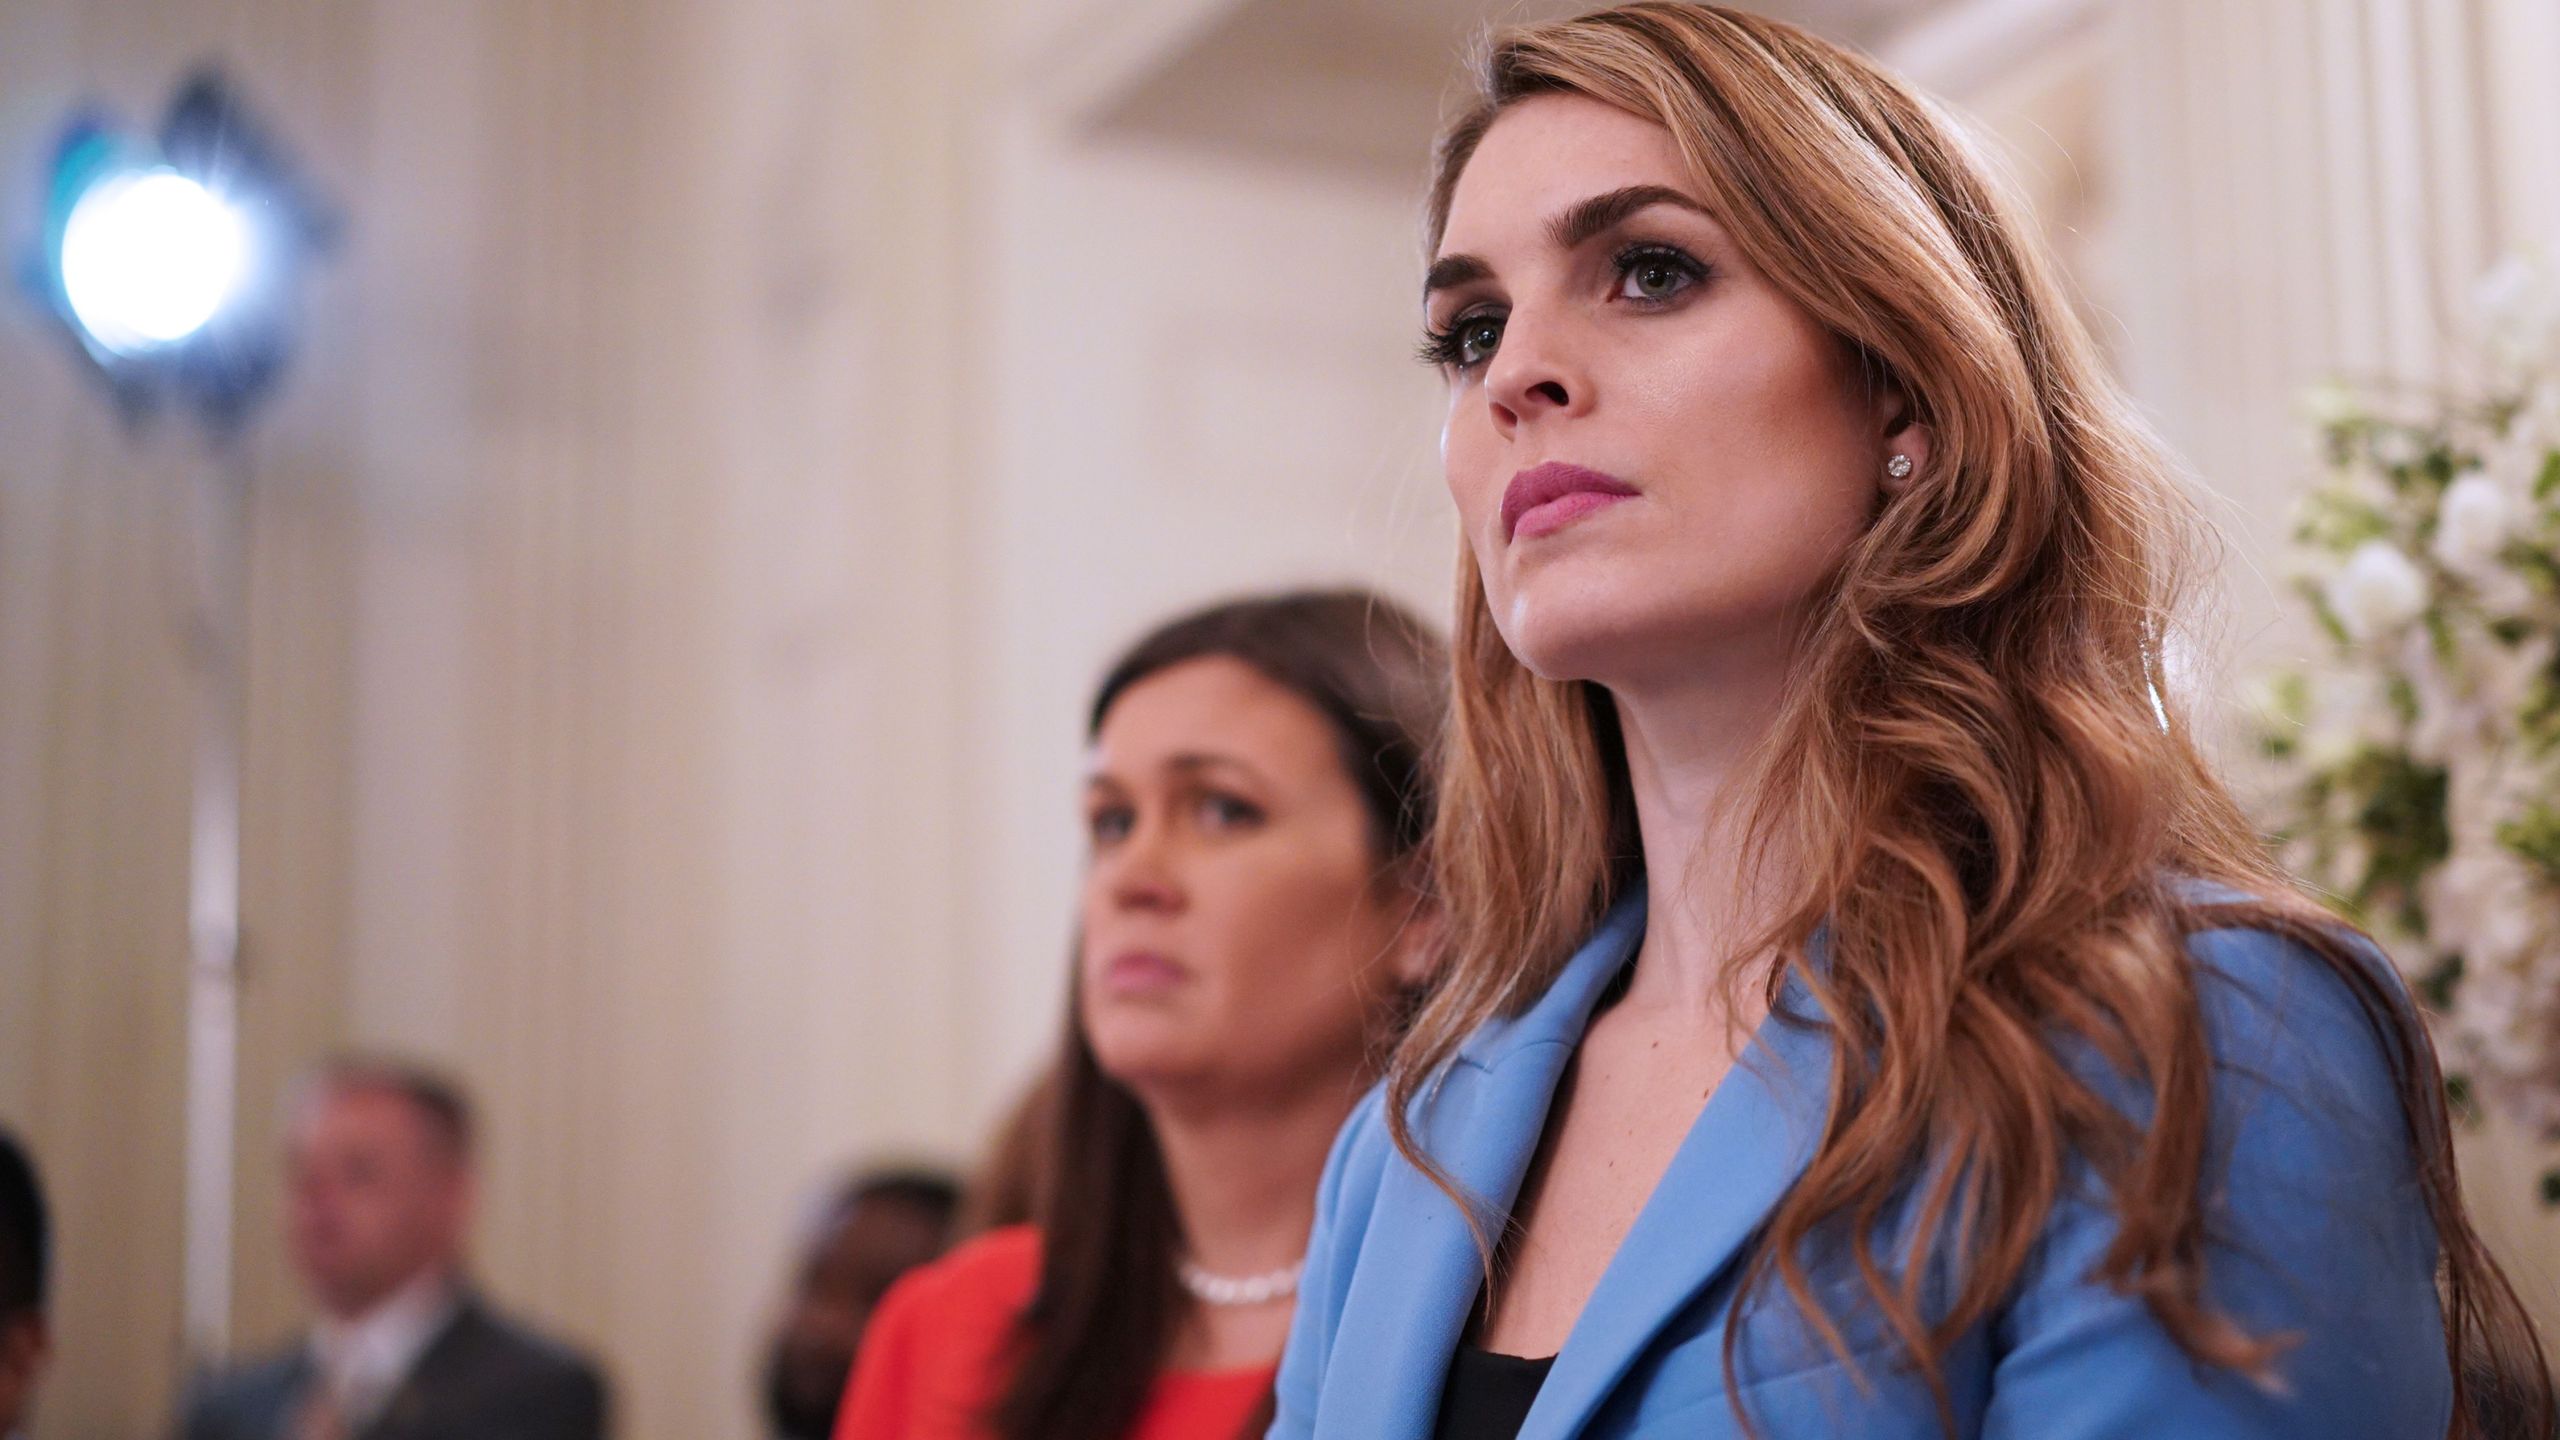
[1668, 255]
[1441, 349]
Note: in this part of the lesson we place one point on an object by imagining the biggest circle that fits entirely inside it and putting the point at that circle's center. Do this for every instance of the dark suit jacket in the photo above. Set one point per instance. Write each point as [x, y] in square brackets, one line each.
[481, 1378]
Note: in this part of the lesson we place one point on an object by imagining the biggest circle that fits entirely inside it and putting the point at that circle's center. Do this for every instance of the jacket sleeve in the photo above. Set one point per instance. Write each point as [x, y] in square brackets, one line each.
[2316, 1228]
[1332, 1250]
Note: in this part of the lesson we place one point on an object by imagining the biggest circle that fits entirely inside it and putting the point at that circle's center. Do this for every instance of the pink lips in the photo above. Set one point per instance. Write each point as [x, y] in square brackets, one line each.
[1545, 498]
[1142, 972]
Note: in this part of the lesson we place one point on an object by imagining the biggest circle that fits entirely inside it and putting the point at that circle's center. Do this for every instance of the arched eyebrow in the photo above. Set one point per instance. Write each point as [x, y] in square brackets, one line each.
[1188, 763]
[1571, 226]
[1586, 218]
[1451, 271]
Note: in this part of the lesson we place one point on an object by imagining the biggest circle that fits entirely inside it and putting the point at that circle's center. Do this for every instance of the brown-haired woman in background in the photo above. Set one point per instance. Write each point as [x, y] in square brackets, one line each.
[1866, 1012]
[1252, 933]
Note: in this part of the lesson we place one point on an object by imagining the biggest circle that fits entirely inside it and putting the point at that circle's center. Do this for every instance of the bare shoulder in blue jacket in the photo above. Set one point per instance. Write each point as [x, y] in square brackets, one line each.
[2317, 1223]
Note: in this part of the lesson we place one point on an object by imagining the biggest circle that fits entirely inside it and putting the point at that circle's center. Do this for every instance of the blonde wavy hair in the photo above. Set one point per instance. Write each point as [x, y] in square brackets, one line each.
[1985, 789]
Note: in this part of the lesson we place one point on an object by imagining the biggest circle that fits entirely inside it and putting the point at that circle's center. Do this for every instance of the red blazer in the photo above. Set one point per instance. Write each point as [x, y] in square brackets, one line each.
[932, 1359]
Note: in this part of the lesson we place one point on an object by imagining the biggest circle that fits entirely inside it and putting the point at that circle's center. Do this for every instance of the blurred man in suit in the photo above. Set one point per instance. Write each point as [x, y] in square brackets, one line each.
[875, 1228]
[24, 1255]
[379, 1196]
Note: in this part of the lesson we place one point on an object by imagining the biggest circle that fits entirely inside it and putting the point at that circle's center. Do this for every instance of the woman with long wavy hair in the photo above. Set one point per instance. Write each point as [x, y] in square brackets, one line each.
[1251, 938]
[1865, 1012]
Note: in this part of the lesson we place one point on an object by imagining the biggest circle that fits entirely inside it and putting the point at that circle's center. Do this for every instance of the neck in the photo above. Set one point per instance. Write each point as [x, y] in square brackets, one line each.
[1243, 1177]
[1690, 743]
[351, 1310]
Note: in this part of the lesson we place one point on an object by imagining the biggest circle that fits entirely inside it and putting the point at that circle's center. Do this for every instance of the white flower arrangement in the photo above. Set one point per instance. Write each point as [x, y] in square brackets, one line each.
[2420, 762]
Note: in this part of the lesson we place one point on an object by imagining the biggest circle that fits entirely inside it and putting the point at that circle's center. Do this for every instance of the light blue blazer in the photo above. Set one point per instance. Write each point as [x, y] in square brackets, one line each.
[2316, 1226]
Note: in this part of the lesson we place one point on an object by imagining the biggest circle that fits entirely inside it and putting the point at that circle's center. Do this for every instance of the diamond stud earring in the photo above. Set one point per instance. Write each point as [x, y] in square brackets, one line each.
[1899, 467]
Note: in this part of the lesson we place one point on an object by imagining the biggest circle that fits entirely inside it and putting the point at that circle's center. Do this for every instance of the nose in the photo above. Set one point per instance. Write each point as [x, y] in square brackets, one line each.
[1535, 374]
[1140, 873]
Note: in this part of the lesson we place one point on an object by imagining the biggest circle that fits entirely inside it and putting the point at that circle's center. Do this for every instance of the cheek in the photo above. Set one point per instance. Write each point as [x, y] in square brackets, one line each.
[1293, 932]
[1773, 472]
[1468, 460]
[1470, 465]
[1098, 922]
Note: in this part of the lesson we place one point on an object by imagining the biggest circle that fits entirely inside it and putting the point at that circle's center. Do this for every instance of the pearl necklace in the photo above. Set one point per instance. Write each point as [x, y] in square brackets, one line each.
[1214, 1289]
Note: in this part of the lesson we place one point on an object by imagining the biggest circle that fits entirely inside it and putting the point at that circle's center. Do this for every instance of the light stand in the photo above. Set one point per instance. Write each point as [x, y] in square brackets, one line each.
[171, 265]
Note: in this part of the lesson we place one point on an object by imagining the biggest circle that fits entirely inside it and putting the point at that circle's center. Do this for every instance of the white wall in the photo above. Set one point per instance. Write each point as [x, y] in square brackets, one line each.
[655, 690]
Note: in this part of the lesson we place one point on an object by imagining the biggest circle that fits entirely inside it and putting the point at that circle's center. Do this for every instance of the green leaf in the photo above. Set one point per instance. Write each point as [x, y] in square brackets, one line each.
[2547, 482]
[2439, 637]
[2338, 522]
[2438, 986]
[2403, 696]
[2459, 1100]
[2401, 819]
[2535, 836]
[2312, 595]
[2538, 565]
[2538, 722]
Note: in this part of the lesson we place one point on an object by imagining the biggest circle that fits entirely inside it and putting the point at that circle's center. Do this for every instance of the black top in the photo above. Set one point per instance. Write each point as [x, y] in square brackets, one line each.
[1487, 1396]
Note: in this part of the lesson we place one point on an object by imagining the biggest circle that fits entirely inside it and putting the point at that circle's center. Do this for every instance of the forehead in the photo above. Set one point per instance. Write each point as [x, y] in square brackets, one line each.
[364, 1114]
[880, 1224]
[1216, 705]
[1542, 155]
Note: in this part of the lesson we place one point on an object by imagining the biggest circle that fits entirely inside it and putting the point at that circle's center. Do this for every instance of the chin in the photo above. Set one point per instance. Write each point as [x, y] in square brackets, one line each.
[1142, 1050]
[1622, 623]
[1591, 633]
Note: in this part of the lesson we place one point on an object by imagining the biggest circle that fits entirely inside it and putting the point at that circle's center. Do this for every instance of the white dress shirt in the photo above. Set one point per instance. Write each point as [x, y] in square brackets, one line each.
[361, 1362]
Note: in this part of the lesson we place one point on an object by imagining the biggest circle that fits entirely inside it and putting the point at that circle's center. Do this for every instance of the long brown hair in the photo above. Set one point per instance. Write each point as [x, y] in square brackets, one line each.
[1095, 1335]
[1985, 779]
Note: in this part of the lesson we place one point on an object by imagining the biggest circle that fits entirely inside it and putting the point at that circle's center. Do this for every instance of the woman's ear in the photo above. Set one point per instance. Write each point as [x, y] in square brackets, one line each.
[1415, 957]
[1907, 440]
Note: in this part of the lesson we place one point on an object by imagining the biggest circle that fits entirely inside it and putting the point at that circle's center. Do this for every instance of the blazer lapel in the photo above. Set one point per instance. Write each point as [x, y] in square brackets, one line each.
[1749, 1145]
[405, 1411]
[1403, 1314]
[291, 1389]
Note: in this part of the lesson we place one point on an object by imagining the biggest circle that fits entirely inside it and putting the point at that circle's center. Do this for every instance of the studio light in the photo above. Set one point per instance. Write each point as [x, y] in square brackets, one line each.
[148, 257]
[174, 260]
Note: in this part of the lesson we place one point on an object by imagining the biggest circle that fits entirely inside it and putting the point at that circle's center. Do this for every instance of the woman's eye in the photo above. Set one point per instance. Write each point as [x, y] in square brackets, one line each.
[1226, 812]
[1653, 275]
[1109, 824]
[1469, 341]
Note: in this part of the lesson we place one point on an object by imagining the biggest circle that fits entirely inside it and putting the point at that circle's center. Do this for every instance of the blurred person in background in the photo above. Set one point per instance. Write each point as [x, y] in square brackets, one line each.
[26, 1255]
[380, 1186]
[1252, 934]
[875, 1228]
